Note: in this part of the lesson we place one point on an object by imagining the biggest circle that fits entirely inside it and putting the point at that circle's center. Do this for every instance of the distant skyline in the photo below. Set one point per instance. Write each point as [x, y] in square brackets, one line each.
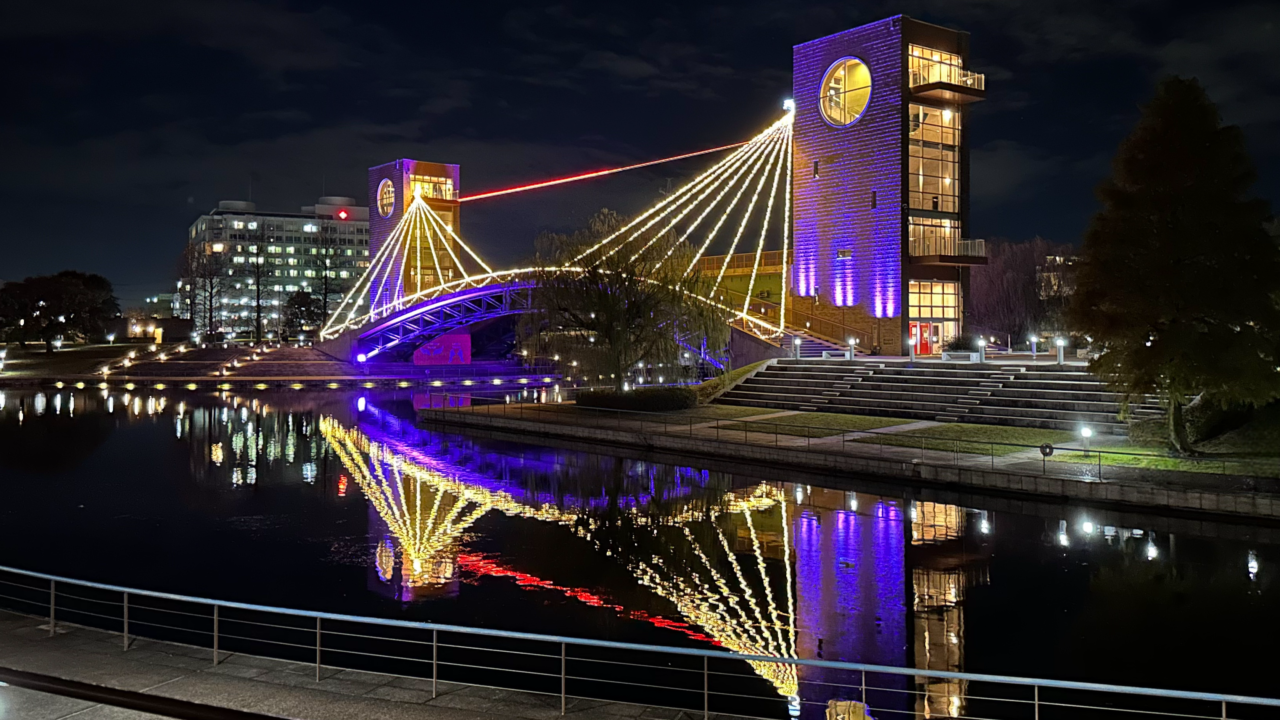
[125, 123]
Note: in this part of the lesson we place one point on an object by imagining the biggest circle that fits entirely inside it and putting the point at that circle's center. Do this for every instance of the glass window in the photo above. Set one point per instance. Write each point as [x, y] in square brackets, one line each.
[845, 91]
[933, 300]
[926, 66]
[934, 159]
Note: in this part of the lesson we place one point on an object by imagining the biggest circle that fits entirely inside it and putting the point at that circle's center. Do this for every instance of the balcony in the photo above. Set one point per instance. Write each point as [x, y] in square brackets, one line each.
[944, 82]
[947, 251]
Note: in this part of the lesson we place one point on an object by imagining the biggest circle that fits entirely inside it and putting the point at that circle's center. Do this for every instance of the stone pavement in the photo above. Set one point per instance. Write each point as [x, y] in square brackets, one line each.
[252, 684]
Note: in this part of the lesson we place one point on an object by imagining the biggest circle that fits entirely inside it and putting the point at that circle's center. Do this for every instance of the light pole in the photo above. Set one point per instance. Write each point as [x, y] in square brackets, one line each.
[911, 348]
[1033, 346]
[795, 344]
[982, 351]
[852, 342]
[1062, 349]
[1086, 432]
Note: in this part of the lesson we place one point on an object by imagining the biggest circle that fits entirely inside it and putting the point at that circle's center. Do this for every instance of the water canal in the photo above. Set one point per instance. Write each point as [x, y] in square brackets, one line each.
[338, 502]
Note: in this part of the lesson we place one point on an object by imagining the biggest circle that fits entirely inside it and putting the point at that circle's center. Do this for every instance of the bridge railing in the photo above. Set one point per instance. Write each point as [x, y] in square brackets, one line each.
[569, 669]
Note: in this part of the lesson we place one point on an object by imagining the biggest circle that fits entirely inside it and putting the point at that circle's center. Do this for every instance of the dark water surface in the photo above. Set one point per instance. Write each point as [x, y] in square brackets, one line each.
[337, 502]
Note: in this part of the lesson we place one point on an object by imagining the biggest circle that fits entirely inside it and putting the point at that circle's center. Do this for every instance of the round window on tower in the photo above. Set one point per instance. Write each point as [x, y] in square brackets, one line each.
[846, 89]
[386, 198]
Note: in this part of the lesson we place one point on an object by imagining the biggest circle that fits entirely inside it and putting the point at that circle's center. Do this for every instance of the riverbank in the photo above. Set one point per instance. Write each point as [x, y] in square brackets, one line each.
[885, 454]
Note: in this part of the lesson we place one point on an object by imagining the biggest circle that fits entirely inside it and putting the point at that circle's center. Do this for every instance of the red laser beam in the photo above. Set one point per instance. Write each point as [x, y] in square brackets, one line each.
[588, 176]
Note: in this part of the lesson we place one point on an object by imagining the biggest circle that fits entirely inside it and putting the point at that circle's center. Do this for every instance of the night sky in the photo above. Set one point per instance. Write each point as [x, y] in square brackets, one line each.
[125, 121]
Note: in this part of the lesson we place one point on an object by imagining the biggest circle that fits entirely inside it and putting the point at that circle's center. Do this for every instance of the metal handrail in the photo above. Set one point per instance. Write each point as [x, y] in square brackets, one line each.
[639, 647]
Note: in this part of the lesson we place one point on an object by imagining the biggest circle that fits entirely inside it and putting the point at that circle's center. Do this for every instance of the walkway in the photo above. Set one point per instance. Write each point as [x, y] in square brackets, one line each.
[250, 684]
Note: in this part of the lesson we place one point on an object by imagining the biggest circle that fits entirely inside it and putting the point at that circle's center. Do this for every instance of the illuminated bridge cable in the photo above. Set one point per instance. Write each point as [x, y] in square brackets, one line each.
[764, 225]
[662, 209]
[593, 174]
[742, 226]
[723, 187]
[711, 236]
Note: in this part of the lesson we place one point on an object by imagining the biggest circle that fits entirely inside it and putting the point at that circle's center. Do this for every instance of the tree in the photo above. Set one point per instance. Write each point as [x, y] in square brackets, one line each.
[69, 305]
[259, 272]
[207, 273]
[1006, 297]
[303, 311]
[621, 310]
[1178, 278]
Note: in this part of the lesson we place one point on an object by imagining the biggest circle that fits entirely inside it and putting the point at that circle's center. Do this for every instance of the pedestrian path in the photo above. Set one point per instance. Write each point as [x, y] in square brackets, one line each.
[246, 683]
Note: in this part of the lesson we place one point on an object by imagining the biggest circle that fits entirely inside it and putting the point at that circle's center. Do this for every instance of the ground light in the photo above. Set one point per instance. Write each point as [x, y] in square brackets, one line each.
[1062, 348]
[911, 346]
[795, 343]
[1033, 339]
[982, 350]
[1086, 433]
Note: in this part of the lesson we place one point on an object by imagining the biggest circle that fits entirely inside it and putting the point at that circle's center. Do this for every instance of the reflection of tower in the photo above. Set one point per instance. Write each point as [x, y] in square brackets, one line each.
[938, 579]
[850, 581]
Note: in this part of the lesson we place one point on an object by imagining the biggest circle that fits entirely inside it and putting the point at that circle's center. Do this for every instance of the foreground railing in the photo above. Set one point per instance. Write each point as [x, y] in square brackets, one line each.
[690, 679]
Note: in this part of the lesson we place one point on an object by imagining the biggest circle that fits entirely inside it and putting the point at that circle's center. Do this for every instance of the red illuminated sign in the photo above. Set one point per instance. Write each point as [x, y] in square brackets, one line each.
[342, 214]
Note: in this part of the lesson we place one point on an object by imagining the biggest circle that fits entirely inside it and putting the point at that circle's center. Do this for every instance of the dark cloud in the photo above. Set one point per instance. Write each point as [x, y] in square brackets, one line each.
[125, 121]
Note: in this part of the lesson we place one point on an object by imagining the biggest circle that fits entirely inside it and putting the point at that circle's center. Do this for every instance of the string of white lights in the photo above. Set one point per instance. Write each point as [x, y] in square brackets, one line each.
[724, 189]
[707, 181]
[747, 161]
[457, 261]
[786, 241]
[764, 226]
[715, 231]
[742, 226]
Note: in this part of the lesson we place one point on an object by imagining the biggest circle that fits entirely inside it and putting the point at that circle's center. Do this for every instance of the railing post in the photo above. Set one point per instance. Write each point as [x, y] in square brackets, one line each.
[1224, 710]
[317, 649]
[126, 622]
[706, 688]
[215, 635]
[53, 594]
[864, 687]
[563, 676]
[1037, 700]
[435, 662]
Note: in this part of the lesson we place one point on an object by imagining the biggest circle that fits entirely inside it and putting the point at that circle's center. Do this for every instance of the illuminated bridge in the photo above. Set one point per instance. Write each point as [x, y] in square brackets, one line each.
[841, 221]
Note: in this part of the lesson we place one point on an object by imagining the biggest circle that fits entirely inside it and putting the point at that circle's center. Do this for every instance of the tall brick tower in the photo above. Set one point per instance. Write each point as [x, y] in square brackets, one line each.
[880, 180]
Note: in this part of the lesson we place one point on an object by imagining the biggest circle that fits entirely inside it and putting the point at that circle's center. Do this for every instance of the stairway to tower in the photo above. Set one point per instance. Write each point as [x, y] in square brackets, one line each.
[1050, 397]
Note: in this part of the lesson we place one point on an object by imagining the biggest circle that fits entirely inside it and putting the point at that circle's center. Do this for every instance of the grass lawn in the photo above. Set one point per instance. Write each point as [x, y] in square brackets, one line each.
[973, 438]
[1156, 459]
[710, 388]
[815, 424]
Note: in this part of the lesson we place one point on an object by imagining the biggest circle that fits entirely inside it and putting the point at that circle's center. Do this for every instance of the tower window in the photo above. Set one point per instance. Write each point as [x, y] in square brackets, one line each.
[816, 163]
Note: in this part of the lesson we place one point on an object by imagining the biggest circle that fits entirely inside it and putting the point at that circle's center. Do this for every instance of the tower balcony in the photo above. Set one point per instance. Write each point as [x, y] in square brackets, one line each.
[944, 82]
[947, 251]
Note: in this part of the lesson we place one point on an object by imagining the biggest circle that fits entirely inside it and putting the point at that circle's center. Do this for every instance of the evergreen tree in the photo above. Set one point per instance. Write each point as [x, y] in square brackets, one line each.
[1179, 278]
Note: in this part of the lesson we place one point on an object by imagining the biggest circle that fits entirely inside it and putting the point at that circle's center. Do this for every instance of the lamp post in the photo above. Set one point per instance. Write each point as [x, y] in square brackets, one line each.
[911, 348]
[795, 344]
[1033, 347]
[1062, 349]
[982, 351]
[1086, 433]
[852, 342]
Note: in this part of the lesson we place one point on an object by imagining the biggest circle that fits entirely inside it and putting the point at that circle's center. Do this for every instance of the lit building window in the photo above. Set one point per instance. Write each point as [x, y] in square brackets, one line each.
[218, 247]
[253, 226]
[238, 225]
[845, 91]
[934, 159]
[431, 187]
[933, 300]
[931, 236]
[310, 227]
[238, 259]
[926, 66]
[386, 198]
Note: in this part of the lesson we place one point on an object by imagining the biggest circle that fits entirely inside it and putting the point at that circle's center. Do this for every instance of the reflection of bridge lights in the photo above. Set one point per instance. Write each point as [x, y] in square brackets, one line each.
[1252, 565]
[1152, 551]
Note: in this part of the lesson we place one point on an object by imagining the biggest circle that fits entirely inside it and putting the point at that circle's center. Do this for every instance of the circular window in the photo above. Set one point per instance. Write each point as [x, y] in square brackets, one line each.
[846, 88]
[386, 198]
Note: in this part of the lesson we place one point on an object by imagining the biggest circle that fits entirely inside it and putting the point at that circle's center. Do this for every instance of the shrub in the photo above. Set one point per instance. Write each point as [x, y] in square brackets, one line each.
[713, 387]
[644, 399]
[962, 343]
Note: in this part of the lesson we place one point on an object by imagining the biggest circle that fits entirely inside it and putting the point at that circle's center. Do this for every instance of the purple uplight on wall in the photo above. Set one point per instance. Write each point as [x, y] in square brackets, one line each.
[848, 180]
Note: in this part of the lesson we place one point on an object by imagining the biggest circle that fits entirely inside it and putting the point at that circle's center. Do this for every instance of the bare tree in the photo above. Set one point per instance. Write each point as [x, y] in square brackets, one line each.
[209, 279]
[1005, 294]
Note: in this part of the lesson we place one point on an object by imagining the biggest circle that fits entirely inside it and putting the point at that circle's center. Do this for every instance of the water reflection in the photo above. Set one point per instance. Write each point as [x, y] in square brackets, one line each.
[714, 559]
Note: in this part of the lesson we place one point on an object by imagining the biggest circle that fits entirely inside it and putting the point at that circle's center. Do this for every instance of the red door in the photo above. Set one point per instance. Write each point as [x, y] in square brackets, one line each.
[923, 335]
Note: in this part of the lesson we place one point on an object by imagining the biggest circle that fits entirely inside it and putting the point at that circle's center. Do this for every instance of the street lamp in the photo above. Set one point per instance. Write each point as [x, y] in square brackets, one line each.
[795, 344]
[111, 338]
[1062, 349]
[1032, 338]
[982, 350]
[911, 348]
[1086, 432]
[852, 342]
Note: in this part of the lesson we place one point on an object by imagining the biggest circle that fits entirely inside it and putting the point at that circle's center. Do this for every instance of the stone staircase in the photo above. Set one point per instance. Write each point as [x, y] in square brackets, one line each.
[1040, 396]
